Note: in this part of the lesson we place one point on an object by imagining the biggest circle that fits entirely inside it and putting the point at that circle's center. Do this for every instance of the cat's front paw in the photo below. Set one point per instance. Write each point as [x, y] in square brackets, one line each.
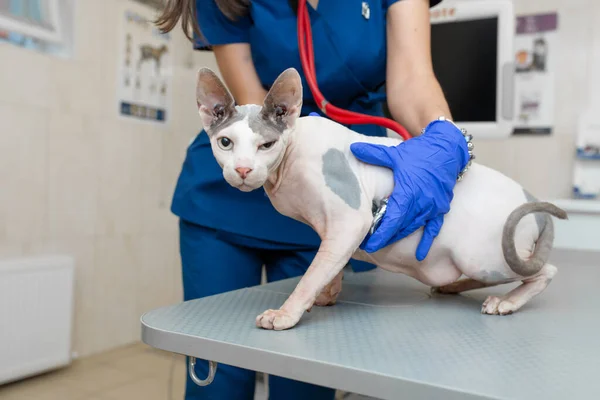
[277, 320]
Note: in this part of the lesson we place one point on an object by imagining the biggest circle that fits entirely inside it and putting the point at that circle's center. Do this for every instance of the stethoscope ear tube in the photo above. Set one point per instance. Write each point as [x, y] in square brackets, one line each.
[305, 46]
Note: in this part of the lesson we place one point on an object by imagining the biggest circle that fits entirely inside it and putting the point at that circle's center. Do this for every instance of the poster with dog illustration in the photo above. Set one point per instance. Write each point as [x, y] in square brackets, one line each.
[145, 69]
[534, 73]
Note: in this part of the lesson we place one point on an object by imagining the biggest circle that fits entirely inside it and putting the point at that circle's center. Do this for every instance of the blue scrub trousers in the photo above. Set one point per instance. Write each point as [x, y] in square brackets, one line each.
[214, 262]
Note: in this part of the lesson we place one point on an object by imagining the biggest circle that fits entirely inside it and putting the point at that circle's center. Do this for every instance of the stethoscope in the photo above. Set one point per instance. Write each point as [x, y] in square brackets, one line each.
[305, 45]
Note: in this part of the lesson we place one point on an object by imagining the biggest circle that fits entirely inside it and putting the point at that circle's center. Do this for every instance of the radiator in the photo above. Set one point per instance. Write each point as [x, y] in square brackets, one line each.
[36, 313]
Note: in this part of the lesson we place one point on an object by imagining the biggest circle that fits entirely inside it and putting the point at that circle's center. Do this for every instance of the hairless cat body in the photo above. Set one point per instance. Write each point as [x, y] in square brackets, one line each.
[494, 233]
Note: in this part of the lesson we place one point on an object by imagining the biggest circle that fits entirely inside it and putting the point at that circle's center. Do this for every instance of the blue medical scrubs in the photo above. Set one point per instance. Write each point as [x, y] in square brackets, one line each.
[227, 235]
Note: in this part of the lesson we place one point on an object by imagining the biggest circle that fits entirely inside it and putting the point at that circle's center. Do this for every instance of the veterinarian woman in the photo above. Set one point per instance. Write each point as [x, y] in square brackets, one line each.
[227, 235]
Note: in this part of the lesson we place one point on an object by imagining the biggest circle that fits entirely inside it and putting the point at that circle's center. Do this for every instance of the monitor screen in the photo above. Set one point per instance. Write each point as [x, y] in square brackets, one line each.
[464, 55]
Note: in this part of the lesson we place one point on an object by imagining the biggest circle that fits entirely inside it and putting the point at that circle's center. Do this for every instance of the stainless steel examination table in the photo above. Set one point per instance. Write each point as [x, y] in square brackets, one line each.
[387, 337]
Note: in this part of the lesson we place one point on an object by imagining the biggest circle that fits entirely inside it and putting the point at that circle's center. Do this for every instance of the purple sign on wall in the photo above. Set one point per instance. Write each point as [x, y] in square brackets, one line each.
[537, 23]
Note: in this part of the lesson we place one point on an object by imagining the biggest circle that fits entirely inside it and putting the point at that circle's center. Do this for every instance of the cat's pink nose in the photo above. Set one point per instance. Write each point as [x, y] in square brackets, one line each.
[243, 172]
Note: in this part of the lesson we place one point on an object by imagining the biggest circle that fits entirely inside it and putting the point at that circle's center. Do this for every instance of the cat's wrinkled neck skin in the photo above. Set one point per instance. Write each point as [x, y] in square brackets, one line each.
[277, 173]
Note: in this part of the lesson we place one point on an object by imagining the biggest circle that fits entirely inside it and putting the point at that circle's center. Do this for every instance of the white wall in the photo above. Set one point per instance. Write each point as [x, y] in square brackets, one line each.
[544, 164]
[76, 179]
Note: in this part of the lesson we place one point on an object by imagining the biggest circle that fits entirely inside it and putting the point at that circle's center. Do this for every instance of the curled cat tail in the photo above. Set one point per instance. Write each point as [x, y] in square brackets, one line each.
[543, 245]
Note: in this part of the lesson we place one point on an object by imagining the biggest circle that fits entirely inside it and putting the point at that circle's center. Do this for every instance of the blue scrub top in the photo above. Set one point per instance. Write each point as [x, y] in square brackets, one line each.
[350, 62]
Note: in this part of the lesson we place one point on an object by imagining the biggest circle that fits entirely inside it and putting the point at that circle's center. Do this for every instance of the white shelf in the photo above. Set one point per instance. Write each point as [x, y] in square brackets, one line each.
[582, 230]
[578, 205]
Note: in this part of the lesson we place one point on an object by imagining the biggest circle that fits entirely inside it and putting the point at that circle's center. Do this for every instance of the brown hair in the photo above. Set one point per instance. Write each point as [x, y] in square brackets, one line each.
[186, 10]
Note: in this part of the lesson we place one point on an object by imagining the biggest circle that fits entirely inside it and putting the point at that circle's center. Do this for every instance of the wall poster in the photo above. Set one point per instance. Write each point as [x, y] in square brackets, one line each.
[535, 46]
[145, 68]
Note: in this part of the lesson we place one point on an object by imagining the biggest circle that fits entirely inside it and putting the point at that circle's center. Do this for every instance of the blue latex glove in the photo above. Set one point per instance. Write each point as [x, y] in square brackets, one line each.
[313, 114]
[425, 169]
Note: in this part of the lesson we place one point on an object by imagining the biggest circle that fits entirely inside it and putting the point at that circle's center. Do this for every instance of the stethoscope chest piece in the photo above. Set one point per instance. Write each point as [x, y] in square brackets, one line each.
[366, 11]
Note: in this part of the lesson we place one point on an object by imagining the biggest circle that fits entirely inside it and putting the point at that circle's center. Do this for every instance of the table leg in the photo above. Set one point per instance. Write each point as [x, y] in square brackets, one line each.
[212, 370]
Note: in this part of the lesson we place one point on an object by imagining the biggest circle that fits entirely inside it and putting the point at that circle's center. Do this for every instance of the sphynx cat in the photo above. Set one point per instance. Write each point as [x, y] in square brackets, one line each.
[494, 233]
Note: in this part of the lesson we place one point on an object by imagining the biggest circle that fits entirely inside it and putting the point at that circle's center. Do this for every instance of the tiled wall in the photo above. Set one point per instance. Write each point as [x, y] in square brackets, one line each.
[76, 179]
[544, 164]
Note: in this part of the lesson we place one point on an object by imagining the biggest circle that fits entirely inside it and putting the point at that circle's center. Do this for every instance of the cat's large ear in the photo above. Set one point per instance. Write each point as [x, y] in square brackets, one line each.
[215, 103]
[283, 103]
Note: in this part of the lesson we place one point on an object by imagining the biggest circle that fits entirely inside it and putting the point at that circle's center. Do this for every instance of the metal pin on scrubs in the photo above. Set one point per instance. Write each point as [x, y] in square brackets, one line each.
[366, 11]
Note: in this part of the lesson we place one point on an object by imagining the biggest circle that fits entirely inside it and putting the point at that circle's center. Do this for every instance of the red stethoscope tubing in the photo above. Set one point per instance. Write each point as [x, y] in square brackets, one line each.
[342, 116]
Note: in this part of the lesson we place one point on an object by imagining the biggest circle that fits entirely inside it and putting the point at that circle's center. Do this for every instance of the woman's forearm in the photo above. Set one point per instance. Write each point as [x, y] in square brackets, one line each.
[238, 71]
[416, 102]
[415, 97]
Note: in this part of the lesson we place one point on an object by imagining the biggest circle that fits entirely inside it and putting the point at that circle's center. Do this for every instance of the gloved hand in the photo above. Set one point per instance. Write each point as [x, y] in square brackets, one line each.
[313, 114]
[425, 169]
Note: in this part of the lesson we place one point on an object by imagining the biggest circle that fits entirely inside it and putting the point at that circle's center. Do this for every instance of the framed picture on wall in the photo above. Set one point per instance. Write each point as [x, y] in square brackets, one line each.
[535, 60]
[144, 67]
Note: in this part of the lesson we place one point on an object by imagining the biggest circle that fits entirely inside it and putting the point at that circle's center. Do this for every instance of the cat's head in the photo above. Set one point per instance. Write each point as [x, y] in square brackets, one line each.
[248, 141]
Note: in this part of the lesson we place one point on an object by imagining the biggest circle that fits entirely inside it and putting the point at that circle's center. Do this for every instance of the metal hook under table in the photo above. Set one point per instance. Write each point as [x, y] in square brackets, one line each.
[212, 370]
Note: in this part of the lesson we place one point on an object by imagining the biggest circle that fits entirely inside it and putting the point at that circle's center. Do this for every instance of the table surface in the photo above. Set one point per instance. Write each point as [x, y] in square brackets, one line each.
[387, 337]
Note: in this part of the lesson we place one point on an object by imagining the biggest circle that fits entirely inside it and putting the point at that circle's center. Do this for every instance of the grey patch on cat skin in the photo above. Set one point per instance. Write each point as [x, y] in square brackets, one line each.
[261, 124]
[530, 198]
[340, 178]
[540, 219]
[269, 117]
[229, 118]
[493, 277]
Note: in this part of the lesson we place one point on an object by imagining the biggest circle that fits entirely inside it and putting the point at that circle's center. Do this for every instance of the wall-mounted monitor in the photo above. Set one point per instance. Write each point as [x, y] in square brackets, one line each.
[473, 59]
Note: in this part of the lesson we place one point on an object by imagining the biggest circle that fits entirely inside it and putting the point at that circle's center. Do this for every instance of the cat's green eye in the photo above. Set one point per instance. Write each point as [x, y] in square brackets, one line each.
[268, 145]
[225, 143]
